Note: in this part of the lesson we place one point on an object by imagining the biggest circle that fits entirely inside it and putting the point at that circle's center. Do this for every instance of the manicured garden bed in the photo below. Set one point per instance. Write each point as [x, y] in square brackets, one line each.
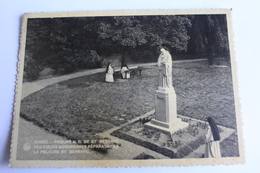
[177, 145]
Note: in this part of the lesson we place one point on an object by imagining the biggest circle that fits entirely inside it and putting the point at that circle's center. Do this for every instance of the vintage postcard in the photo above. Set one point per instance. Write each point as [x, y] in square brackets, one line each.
[127, 88]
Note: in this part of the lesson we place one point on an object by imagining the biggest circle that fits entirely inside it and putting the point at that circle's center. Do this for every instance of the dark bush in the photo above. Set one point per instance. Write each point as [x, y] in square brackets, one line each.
[32, 68]
[63, 63]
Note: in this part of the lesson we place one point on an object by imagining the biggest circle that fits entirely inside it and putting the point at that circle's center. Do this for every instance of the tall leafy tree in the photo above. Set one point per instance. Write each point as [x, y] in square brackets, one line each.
[217, 37]
[67, 44]
[209, 37]
[128, 32]
[36, 48]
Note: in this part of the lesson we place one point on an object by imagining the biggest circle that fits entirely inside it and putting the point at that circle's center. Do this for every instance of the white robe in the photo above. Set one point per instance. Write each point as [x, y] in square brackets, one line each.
[212, 149]
[165, 69]
[109, 75]
[125, 73]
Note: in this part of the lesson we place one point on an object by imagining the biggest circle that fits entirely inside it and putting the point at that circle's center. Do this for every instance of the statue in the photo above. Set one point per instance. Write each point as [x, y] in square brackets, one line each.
[166, 119]
[165, 69]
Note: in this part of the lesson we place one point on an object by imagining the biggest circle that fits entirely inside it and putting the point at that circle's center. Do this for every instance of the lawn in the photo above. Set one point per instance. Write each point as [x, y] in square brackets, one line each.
[82, 107]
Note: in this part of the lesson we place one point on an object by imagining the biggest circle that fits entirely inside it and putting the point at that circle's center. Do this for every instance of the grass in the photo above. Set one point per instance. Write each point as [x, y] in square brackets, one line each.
[204, 91]
[229, 146]
[82, 107]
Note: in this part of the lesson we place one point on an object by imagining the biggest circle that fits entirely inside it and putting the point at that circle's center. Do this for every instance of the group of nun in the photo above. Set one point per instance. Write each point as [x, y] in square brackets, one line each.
[125, 73]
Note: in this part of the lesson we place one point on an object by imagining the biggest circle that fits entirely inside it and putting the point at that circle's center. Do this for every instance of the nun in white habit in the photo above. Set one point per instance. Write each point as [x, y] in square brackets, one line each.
[109, 73]
[125, 72]
[212, 149]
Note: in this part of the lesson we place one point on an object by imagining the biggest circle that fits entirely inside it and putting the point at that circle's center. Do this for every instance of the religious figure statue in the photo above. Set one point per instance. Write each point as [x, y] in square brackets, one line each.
[212, 148]
[165, 69]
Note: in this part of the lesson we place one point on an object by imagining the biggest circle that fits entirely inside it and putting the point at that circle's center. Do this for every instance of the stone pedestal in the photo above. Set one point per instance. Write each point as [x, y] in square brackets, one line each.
[166, 112]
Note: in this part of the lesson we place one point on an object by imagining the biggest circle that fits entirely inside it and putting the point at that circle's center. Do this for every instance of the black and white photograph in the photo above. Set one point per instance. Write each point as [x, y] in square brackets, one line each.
[127, 89]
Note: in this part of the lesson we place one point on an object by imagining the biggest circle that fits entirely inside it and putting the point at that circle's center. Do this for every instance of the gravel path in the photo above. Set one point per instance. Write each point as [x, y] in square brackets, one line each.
[31, 87]
[39, 134]
[128, 150]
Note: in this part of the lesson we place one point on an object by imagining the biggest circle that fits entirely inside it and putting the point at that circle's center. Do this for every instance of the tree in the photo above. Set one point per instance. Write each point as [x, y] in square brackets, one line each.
[69, 44]
[217, 37]
[128, 32]
[36, 37]
[209, 37]
[65, 45]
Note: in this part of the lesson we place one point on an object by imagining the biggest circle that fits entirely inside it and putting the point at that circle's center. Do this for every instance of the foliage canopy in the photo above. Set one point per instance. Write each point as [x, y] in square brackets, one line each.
[69, 44]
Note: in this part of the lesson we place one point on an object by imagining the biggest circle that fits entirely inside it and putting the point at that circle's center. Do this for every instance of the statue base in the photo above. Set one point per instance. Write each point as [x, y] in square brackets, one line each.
[166, 112]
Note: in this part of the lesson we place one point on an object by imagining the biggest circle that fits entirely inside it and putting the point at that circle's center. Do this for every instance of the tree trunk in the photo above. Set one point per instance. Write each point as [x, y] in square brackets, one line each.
[123, 56]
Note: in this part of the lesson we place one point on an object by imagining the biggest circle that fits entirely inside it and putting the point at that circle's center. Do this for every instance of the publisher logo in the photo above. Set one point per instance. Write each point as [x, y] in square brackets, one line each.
[26, 146]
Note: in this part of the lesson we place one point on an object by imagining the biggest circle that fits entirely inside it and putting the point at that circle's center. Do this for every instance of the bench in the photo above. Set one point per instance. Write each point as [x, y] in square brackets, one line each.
[136, 71]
